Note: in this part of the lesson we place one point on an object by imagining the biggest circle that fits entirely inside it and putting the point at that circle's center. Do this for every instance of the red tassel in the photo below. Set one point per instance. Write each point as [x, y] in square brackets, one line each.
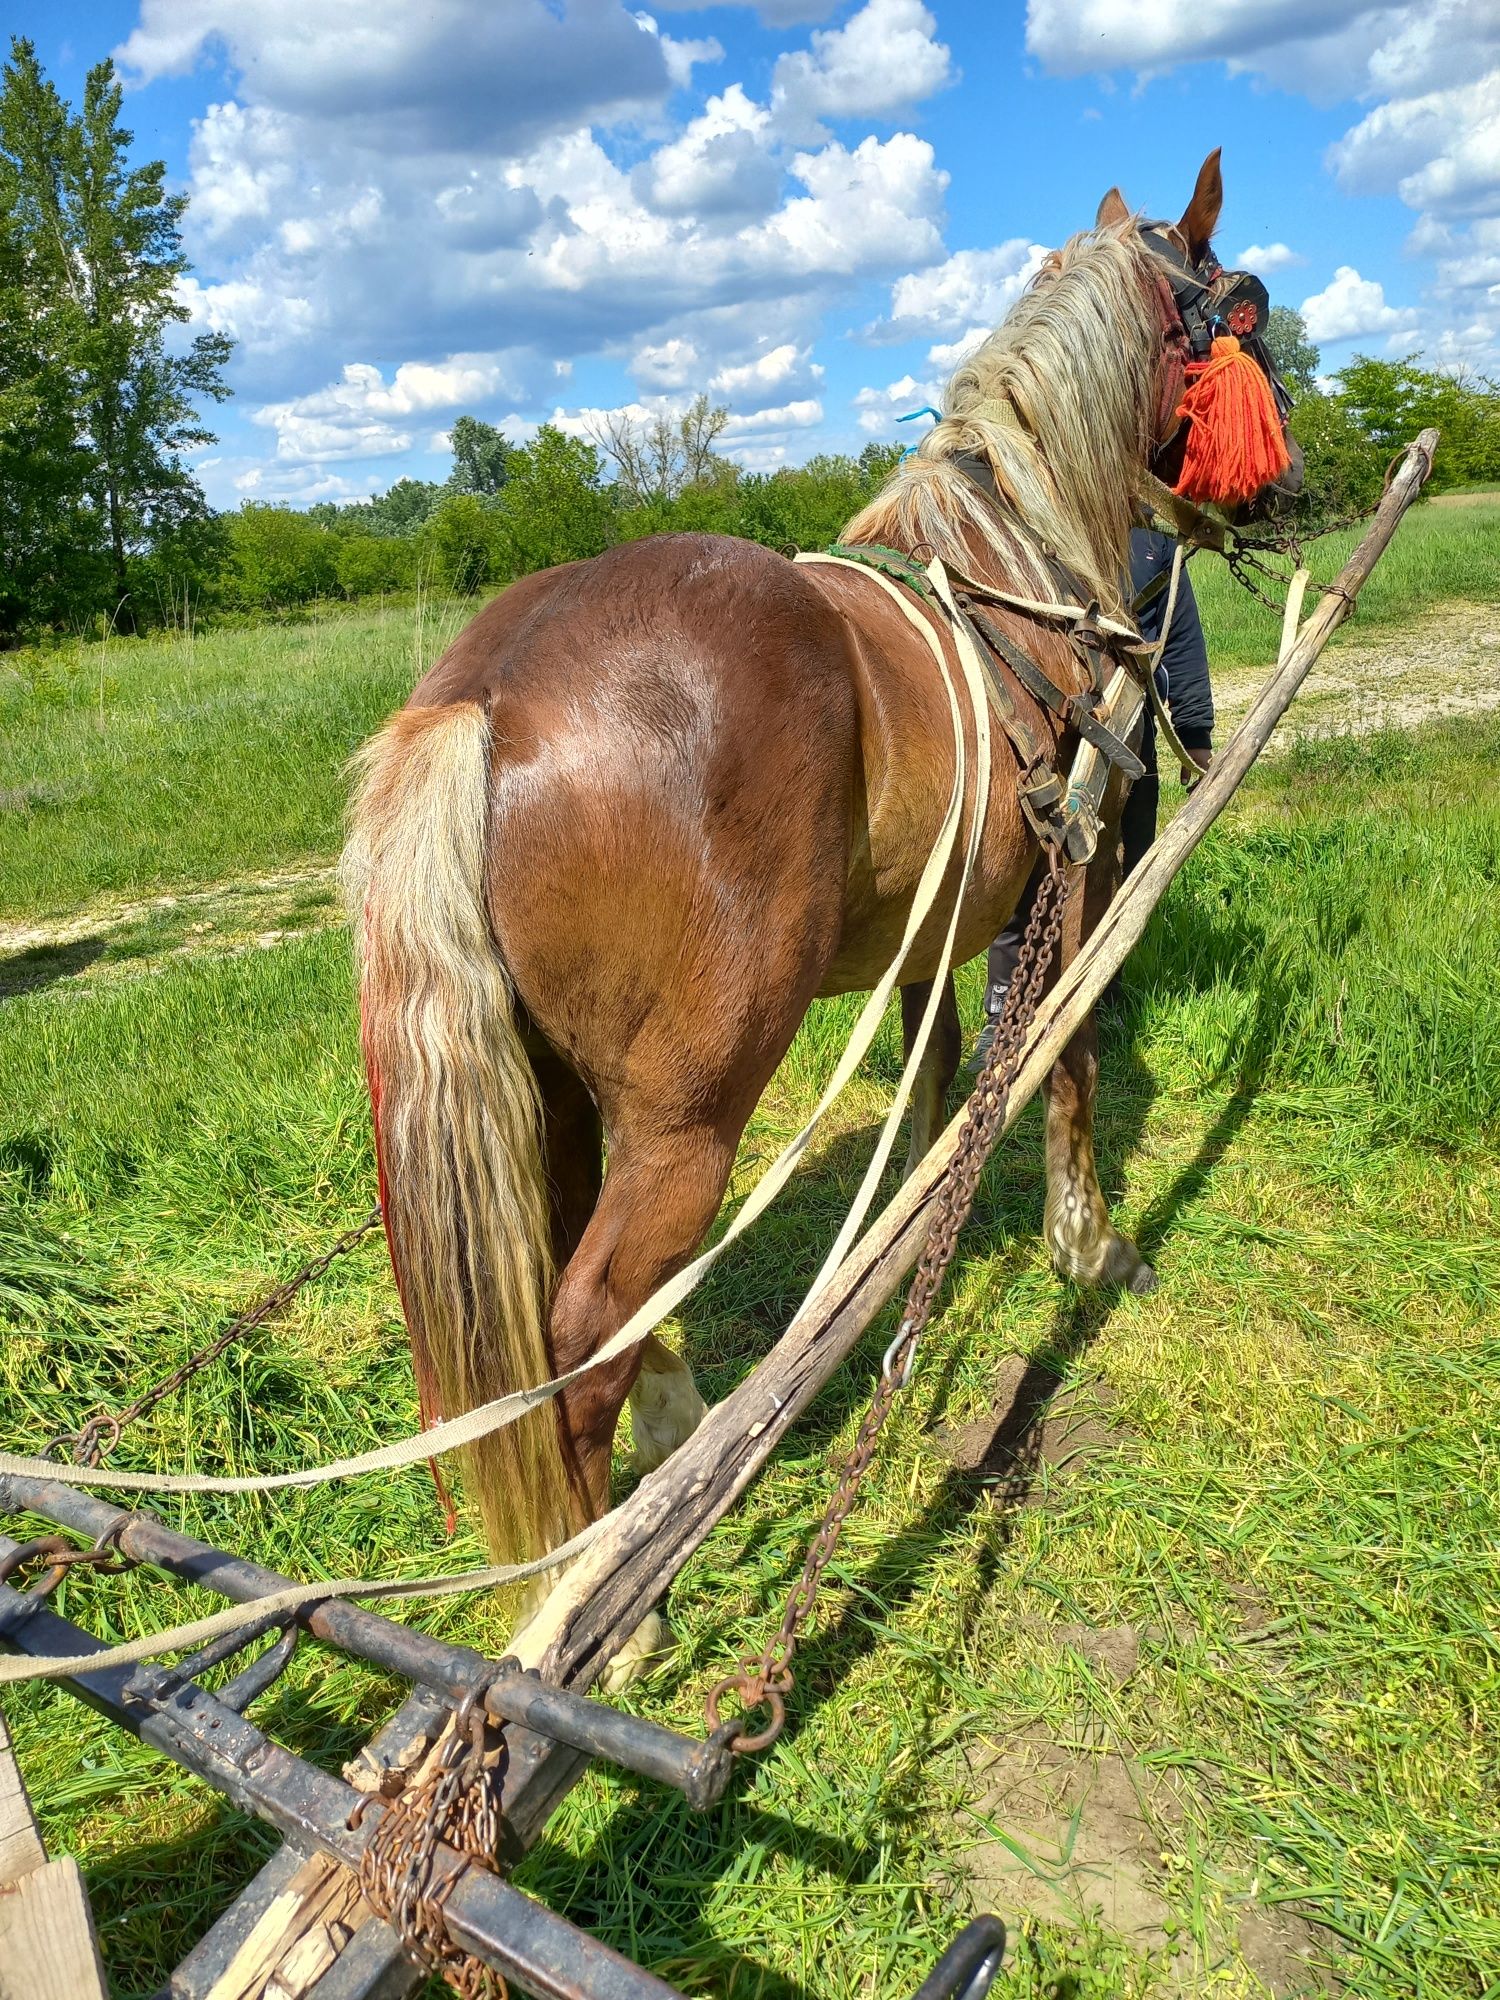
[1235, 445]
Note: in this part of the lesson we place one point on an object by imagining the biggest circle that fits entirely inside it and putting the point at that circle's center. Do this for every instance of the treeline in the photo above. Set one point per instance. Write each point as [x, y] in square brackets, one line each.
[508, 510]
[103, 524]
[100, 396]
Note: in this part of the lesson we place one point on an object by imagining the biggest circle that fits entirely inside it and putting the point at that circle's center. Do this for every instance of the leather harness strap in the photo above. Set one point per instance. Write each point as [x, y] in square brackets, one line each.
[1075, 710]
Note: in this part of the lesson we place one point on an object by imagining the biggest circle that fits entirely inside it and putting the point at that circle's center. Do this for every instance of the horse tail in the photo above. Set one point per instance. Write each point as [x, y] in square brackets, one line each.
[456, 1109]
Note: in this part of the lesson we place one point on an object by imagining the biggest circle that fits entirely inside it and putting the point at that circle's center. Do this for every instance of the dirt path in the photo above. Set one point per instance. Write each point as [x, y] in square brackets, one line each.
[114, 937]
[1445, 664]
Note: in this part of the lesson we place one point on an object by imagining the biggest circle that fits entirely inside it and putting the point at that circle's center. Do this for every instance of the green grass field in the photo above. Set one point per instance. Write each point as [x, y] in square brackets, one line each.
[1167, 1626]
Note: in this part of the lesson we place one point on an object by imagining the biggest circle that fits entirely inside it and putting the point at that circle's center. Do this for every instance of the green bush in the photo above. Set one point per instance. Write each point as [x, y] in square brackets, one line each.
[374, 565]
[462, 540]
[277, 558]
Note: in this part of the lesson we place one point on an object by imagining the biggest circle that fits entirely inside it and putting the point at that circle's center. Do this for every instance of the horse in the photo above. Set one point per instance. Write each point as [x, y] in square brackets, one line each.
[647, 807]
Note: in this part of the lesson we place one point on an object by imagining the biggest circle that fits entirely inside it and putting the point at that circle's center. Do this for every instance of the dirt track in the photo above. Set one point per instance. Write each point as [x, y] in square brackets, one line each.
[1447, 663]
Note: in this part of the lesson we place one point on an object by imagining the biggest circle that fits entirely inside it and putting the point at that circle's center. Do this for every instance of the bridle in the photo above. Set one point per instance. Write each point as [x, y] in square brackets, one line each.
[1198, 302]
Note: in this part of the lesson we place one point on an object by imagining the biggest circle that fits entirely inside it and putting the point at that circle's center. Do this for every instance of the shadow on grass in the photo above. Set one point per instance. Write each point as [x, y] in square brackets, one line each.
[43, 965]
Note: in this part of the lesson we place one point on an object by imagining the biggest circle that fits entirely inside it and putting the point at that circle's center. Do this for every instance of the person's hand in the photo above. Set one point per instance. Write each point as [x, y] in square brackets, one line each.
[1193, 774]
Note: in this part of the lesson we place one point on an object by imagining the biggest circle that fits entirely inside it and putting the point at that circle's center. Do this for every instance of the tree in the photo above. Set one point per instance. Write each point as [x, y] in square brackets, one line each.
[48, 541]
[661, 457]
[403, 509]
[481, 454]
[104, 237]
[463, 535]
[1297, 359]
[554, 508]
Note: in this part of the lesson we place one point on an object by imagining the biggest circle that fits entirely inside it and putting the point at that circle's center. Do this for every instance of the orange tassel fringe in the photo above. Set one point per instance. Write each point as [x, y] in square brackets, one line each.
[1235, 446]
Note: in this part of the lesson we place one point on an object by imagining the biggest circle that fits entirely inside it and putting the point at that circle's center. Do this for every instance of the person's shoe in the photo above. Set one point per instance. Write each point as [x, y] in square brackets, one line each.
[985, 1042]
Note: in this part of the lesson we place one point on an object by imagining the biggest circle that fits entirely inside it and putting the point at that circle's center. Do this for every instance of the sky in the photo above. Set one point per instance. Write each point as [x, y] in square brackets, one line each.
[539, 210]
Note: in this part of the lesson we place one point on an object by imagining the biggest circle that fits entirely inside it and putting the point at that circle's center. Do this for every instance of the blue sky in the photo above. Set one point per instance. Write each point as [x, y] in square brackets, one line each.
[546, 209]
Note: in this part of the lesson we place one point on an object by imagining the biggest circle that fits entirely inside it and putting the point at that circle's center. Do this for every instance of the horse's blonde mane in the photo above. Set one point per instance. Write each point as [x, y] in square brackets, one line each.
[1058, 400]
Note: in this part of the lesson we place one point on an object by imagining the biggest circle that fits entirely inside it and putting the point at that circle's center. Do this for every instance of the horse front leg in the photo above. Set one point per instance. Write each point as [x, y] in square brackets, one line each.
[1084, 1243]
[929, 1098]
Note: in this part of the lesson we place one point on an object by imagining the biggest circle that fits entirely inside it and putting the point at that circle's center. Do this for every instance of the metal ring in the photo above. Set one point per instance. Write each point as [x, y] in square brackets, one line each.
[746, 1743]
[902, 1333]
[29, 1552]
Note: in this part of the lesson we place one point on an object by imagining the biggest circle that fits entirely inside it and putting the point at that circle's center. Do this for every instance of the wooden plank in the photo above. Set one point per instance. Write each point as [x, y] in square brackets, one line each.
[47, 1948]
[21, 1847]
[603, 1597]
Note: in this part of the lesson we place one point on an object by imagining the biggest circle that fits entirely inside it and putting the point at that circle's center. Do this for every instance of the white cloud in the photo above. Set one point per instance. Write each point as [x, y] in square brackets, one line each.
[240, 158]
[248, 310]
[1440, 151]
[1264, 258]
[879, 408]
[445, 74]
[778, 368]
[882, 59]
[352, 418]
[722, 163]
[300, 483]
[801, 416]
[971, 288]
[1350, 308]
[666, 364]
[945, 355]
[683, 57]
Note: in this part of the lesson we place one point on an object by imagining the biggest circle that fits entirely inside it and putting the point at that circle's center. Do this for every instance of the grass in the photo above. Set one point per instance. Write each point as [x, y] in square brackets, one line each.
[1289, 1504]
[138, 766]
[1442, 555]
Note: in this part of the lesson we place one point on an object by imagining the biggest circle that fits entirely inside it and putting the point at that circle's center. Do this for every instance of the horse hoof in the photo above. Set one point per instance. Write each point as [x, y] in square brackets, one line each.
[645, 1649]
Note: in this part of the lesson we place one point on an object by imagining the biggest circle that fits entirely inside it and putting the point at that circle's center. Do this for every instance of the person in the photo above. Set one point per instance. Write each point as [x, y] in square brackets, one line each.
[1182, 677]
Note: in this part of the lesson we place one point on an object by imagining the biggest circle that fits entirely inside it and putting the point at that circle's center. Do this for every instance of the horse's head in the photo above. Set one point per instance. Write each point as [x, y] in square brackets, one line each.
[1200, 304]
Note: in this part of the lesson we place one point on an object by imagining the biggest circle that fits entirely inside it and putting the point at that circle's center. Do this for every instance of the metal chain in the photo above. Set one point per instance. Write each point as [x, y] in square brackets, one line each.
[766, 1680]
[1289, 540]
[100, 1433]
[456, 1804]
[105, 1558]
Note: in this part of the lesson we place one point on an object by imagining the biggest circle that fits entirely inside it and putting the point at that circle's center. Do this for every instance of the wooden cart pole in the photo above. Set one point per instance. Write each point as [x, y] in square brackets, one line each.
[604, 1596]
[607, 1592]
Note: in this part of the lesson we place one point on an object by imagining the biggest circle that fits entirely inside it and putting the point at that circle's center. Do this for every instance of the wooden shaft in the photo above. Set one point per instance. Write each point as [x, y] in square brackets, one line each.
[604, 1596]
[602, 1599]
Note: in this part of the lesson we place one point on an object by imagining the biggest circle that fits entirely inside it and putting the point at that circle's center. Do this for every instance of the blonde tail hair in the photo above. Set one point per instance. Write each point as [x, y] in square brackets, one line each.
[456, 1109]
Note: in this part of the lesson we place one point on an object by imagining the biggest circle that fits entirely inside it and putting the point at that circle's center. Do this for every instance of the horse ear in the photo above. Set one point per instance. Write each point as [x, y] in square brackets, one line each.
[1201, 216]
[1112, 211]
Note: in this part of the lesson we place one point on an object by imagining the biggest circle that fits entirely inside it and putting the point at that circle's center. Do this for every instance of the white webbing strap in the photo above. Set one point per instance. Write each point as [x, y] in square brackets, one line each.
[487, 1417]
[201, 1631]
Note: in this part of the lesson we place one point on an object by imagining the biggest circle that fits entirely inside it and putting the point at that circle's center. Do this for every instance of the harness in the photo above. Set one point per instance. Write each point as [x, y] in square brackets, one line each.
[1210, 301]
[1105, 714]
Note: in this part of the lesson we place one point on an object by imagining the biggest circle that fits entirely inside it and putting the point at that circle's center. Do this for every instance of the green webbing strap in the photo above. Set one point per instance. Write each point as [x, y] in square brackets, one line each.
[875, 555]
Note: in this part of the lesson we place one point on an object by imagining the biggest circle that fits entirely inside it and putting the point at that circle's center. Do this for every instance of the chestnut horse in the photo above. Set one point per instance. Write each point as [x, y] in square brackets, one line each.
[647, 807]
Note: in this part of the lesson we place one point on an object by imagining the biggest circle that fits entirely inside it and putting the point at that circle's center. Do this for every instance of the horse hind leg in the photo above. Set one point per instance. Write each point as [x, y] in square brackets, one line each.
[660, 1196]
[929, 1098]
[1084, 1243]
[665, 1405]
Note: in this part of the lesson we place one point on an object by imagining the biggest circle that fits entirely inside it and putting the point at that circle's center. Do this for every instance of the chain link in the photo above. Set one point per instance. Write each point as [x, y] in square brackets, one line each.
[100, 1433]
[456, 1804]
[766, 1680]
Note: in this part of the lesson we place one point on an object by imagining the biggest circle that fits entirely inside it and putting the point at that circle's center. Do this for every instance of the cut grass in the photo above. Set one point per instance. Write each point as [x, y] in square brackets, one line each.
[1294, 1506]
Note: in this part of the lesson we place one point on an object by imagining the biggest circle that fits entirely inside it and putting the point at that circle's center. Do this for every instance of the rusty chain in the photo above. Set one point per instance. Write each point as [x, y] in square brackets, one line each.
[455, 1804]
[101, 1432]
[764, 1681]
[104, 1557]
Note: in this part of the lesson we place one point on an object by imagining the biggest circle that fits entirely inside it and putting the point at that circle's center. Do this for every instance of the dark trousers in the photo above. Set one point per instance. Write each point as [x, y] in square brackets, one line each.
[1137, 831]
